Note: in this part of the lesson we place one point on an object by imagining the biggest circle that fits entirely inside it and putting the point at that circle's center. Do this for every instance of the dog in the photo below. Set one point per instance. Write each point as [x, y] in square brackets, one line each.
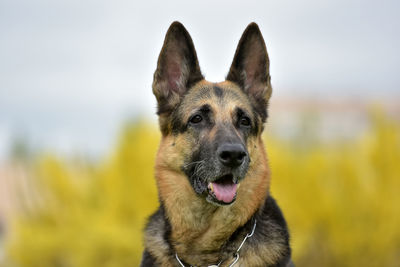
[211, 168]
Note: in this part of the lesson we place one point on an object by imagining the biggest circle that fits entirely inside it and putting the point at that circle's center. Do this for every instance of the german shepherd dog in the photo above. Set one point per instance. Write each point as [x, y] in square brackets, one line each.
[211, 168]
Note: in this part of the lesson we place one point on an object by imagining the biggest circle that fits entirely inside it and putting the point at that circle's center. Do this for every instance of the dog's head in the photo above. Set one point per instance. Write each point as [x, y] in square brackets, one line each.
[212, 128]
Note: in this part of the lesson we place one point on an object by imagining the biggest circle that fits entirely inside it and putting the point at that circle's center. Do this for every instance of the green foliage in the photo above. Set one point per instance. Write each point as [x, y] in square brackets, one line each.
[340, 199]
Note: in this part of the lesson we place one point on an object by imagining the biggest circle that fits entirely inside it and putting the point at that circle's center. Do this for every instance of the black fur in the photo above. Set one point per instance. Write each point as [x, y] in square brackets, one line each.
[178, 52]
[270, 223]
[147, 260]
[206, 139]
[218, 91]
[252, 45]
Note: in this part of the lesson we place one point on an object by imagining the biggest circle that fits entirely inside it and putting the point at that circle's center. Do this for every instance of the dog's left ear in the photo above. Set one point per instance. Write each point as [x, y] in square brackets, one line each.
[177, 68]
[250, 68]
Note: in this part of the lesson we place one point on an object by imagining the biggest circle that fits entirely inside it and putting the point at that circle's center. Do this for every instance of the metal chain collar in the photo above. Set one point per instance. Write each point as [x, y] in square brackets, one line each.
[236, 253]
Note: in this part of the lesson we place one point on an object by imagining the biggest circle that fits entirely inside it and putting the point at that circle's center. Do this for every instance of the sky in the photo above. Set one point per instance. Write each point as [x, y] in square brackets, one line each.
[71, 72]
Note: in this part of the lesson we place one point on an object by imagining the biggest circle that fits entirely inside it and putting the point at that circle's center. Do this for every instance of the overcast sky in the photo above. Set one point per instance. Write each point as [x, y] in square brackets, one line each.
[72, 71]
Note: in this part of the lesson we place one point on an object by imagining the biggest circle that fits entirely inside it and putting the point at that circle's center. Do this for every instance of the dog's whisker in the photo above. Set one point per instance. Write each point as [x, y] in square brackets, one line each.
[193, 163]
[212, 126]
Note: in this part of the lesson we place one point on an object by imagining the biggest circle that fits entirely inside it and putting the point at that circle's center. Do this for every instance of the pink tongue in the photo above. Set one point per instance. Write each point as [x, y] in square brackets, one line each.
[224, 192]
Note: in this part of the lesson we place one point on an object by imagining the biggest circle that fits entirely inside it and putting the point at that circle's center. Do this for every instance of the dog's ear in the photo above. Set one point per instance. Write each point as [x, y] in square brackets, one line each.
[177, 68]
[250, 68]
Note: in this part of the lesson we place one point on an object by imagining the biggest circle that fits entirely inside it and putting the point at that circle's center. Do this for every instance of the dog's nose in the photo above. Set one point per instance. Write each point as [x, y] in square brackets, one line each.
[231, 155]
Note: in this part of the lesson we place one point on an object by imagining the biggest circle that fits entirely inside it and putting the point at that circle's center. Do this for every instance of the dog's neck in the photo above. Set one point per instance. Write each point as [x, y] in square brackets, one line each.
[199, 228]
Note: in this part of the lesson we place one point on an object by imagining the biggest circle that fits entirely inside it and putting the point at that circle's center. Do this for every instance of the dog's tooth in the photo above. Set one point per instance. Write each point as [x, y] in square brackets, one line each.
[211, 186]
[238, 185]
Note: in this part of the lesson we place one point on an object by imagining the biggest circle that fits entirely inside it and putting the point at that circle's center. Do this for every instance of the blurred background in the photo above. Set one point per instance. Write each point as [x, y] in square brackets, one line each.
[78, 131]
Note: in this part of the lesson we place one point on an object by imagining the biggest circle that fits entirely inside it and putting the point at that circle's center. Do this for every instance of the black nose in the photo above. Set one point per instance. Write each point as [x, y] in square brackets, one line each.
[231, 155]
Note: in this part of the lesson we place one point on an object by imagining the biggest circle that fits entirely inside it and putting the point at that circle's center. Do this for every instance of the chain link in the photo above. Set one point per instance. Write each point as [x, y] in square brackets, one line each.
[236, 254]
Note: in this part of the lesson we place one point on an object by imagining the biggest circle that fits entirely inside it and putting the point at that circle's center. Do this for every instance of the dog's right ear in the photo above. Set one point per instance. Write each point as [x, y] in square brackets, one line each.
[177, 68]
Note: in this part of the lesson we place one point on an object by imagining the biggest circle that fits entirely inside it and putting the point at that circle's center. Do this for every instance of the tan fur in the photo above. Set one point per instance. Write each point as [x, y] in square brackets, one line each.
[197, 226]
[157, 247]
[198, 121]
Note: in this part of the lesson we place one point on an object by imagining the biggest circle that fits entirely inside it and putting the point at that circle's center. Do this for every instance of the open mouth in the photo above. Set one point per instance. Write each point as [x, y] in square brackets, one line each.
[223, 191]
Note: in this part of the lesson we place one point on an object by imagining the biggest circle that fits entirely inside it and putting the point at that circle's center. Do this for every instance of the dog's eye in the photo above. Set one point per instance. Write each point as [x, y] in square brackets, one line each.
[244, 121]
[195, 119]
